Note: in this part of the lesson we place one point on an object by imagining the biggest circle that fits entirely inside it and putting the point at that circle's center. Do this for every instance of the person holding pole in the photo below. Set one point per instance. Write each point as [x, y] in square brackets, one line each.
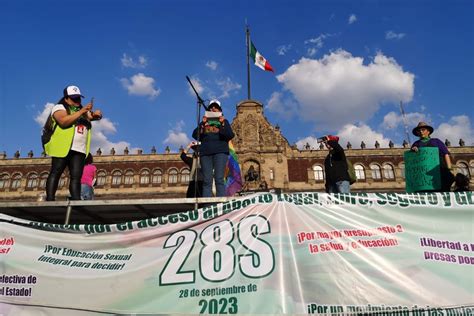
[424, 131]
[214, 133]
[195, 182]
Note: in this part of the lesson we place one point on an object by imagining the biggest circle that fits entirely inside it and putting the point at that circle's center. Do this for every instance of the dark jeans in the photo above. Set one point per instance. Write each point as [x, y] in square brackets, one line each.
[75, 162]
[213, 167]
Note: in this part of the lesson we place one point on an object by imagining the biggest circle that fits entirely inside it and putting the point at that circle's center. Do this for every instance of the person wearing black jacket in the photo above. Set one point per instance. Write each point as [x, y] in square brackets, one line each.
[214, 135]
[335, 167]
[193, 164]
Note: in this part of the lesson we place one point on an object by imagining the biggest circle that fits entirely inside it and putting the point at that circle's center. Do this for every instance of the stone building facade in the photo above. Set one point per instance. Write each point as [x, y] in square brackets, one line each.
[260, 146]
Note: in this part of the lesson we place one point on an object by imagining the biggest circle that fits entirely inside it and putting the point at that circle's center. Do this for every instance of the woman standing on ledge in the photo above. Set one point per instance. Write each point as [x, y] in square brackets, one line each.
[214, 135]
[70, 142]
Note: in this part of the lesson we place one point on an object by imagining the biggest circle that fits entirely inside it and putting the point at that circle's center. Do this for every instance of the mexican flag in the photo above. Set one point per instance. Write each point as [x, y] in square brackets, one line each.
[258, 59]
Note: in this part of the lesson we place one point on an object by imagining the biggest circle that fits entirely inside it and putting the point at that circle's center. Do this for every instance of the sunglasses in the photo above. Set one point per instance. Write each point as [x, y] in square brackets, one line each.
[76, 99]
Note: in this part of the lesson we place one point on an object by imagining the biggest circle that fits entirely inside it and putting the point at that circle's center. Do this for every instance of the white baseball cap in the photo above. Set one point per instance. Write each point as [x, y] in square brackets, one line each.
[215, 101]
[72, 92]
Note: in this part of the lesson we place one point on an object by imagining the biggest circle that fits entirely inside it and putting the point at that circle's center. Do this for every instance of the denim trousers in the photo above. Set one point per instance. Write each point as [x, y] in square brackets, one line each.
[213, 167]
[340, 187]
[75, 162]
[87, 192]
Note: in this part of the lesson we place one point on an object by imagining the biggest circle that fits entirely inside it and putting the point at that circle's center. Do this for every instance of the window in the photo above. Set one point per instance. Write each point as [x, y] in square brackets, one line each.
[272, 174]
[16, 181]
[185, 175]
[388, 172]
[173, 176]
[402, 170]
[32, 181]
[42, 180]
[360, 172]
[376, 173]
[318, 173]
[101, 178]
[157, 176]
[144, 177]
[128, 177]
[117, 177]
[4, 179]
[463, 168]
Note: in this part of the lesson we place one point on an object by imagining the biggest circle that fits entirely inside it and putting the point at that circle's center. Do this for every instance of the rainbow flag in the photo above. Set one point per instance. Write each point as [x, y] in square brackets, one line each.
[232, 176]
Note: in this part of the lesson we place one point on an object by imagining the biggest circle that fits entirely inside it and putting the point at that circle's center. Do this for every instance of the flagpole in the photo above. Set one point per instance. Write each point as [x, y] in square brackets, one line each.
[248, 60]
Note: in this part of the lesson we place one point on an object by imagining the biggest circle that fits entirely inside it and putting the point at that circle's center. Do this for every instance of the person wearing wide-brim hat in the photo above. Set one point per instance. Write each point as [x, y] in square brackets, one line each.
[424, 131]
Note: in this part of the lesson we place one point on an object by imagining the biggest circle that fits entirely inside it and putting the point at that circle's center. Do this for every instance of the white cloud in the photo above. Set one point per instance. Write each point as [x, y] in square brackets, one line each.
[355, 134]
[227, 86]
[352, 19]
[393, 120]
[310, 140]
[390, 35]
[198, 85]
[129, 62]
[140, 85]
[99, 131]
[283, 49]
[318, 43]
[286, 108]
[43, 116]
[456, 128]
[212, 65]
[339, 89]
[176, 137]
[311, 51]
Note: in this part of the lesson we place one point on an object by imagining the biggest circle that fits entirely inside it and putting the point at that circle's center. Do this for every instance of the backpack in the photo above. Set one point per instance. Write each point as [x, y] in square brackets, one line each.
[50, 126]
[48, 130]
[351, 172]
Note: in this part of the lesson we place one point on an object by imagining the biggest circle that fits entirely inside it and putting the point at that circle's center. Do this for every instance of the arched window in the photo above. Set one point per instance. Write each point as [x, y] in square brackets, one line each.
[62, 182]
[32, 181]
[157, 176]
[42, 180]
[318, 173]
[360, 172]
[16, 181]
[388, 172]
[402, 170]
[101, 178]
[173, 176]
[185, 175]
[144, 176]
[463, 168]
[4, 181]
[376, 172]
[272, 174]
[117, 177]
[128, 177]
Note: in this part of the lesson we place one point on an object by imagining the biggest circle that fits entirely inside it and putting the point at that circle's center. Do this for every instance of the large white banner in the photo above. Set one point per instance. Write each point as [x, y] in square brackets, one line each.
[302, 253]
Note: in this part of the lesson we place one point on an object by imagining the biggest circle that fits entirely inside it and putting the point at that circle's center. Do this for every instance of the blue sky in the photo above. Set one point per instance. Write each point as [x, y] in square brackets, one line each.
[341, 67]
